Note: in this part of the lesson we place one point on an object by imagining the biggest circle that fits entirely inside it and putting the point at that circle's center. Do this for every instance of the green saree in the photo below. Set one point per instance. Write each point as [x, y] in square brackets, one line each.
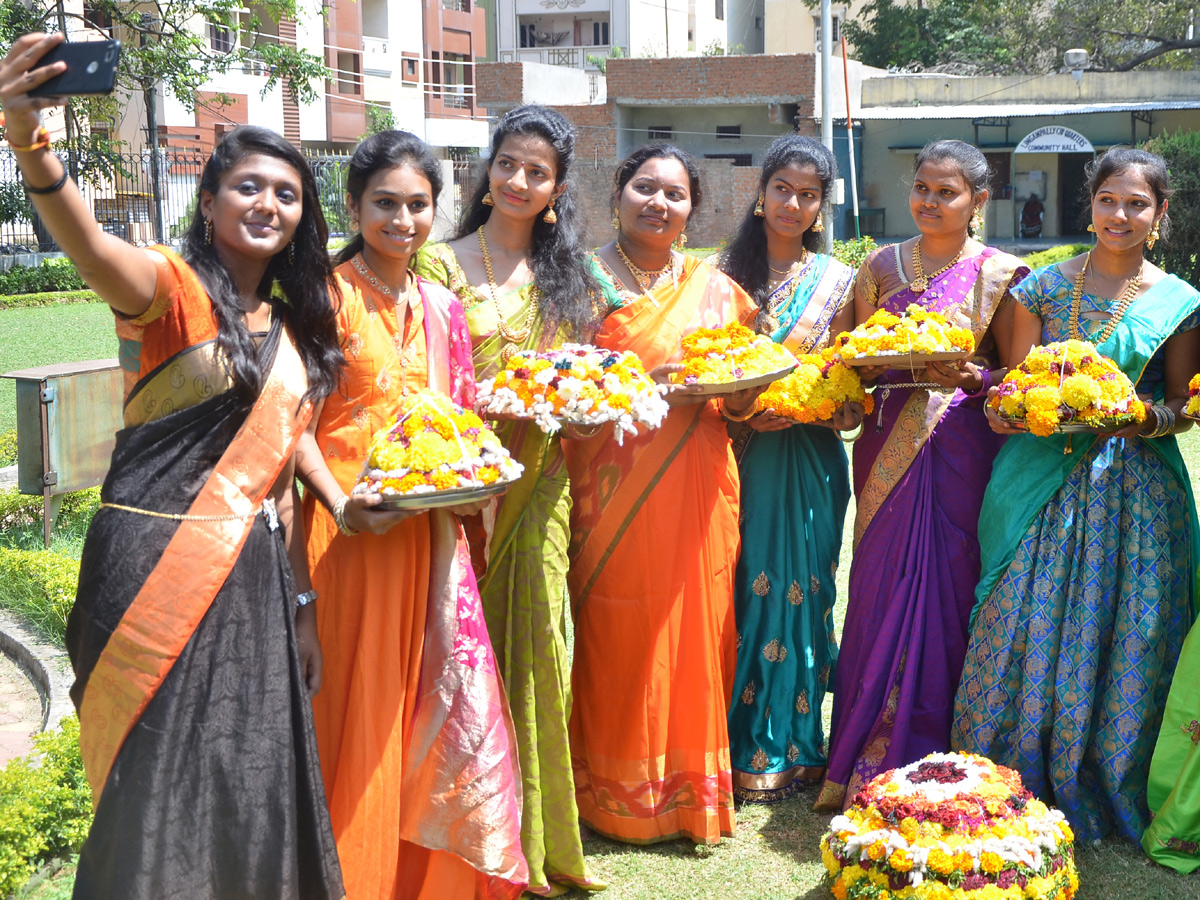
[524, 590]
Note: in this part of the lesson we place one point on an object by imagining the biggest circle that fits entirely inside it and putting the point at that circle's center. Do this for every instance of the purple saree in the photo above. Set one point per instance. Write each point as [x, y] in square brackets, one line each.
[920, 470]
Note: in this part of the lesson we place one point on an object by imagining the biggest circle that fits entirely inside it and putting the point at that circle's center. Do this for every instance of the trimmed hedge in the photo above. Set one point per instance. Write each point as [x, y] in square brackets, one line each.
[17, 509]
[39, 586]
[51, 275]
[1055, 255]
[854, 251]
[8, 448]
[45, 805]
[52, 298]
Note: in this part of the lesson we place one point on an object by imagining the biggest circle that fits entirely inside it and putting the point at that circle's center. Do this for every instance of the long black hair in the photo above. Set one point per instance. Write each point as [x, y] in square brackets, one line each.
[745, 260]
[568, 294]
[1152, 167]
[380, 153]
[628, 167]
[307, 284]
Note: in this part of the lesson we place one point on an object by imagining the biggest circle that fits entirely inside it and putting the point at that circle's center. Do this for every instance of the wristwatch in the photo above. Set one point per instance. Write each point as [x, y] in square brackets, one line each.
[306, 598]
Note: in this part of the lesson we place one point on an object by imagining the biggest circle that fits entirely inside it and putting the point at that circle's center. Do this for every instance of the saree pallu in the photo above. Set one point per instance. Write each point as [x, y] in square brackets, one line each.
[795, 489]
[524, 592]
[1086, 590]
[414, 736]
[654, 544]
[920, 470]
[195, 724]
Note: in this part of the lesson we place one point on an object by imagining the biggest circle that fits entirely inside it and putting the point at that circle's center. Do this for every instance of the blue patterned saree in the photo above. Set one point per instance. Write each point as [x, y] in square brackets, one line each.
[1089, 550]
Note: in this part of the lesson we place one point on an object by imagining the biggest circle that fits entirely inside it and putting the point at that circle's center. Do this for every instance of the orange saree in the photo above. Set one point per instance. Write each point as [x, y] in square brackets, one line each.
[411, 725]
[654, 546]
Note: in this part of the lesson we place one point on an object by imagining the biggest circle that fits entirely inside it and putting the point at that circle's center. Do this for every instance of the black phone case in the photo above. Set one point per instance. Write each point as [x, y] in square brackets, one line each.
[91, 69]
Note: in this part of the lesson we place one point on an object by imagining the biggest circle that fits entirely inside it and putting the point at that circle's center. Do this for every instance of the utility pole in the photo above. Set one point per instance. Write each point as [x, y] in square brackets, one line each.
[827, 96]
[150, 92]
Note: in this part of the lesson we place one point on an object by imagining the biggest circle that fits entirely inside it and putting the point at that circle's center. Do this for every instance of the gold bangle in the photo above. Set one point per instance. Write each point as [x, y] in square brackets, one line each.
[858, 432]
[339, 516]
[735, 418]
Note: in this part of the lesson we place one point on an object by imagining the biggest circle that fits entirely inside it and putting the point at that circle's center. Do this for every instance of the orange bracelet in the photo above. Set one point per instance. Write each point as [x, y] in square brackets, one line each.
[41, 140]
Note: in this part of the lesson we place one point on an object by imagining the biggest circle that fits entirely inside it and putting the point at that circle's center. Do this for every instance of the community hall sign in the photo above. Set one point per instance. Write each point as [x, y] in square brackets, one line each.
[1054, 139]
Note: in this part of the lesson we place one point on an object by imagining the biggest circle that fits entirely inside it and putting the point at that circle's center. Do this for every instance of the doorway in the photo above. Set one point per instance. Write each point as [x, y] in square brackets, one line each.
[1073, 201]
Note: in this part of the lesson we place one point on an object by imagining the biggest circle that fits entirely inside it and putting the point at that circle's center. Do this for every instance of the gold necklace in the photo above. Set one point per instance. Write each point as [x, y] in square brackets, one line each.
[920, 282]
[767, 320]
[512, 337]
[785, 274]
[1124, 301]
[645, 278]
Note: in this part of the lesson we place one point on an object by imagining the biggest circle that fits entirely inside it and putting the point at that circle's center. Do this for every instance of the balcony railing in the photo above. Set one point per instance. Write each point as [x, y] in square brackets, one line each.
[574, 57]
[376, 60]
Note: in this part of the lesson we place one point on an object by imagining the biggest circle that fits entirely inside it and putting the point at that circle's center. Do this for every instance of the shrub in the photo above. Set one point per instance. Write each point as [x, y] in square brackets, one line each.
[853, 252]
[39, 586]
[8, 448]
[51, 275]
[1055, 255]
[49, 298]
[17, 509]
[1177, 254]
[45, 805]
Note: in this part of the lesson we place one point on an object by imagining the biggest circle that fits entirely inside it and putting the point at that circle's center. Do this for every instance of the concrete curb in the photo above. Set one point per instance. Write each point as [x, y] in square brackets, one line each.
[46, 665]
[8, 477]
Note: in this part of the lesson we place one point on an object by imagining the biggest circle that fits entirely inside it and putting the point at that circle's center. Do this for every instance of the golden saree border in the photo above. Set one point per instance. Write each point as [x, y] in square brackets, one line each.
[912, 428]
[199, 557]
[187, 380]
[829, 295]
[769, 782]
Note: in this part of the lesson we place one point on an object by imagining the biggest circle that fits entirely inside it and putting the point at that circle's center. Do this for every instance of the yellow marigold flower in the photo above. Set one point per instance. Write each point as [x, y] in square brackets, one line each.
[853, 873]
[1080, 391]
[940, 862]
[909, 827]
[899, 861]
[991, 863]
[875, 852]
[444, 480]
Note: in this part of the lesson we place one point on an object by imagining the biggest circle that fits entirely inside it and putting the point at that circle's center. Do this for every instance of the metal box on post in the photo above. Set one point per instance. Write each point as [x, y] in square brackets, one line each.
[67, 419]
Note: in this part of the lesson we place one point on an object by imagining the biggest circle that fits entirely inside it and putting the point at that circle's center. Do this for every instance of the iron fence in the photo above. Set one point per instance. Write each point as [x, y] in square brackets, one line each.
[120, 190]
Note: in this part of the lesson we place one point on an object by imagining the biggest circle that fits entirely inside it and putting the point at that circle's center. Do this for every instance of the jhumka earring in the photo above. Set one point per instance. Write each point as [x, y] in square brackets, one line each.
[975, 226]
[551, 216]
[616, 222]
[758, 207]
[1091, 227]
[487, 199]
[1152, 237]
[680, 242]
[208, 231]
[819, 224]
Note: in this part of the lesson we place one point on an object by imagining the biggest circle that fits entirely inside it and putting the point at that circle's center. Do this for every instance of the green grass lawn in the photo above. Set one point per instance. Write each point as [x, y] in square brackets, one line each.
[774, 854]
[50, 334]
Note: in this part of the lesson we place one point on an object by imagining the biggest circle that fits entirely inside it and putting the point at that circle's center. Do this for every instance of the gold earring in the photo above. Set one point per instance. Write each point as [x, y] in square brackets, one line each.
[1152, 238]
[975, 225]
[616, 222]
[758, 207]
[551, 216]
[292, 252]
[819, 224]
[680, 242]
[208, 231]
[487, 199]
[1091, 227]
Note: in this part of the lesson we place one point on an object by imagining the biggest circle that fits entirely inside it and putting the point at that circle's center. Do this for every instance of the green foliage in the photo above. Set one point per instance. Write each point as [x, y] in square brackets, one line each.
[1054, 255]
[14, 205]
[8, 448]
[45, 805]
[716, 48]
[853, 252]
[379, 118]
[48, 298]
[331, 188]
[1178, 254]
[601, 62]
[39, 586]
[52, 275]
[895, 33]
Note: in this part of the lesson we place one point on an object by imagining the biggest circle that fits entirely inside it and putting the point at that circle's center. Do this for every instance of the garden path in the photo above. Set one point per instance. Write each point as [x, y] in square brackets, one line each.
[20, 711]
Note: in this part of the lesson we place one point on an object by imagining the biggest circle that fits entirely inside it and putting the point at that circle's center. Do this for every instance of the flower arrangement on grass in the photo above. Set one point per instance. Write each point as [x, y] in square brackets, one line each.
[950, 827]
[1192, 410]
[579, 384]
[431, 445]
[1068, 382]
[730, 353]
[815, 389]
[914, 332]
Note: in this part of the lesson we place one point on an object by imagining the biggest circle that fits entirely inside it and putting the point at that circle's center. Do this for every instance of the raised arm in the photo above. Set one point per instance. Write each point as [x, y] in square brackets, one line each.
[120, 273]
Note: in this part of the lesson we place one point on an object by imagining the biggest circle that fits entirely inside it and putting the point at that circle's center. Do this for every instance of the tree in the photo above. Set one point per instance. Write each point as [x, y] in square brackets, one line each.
[1023, 36]
[1178, 254]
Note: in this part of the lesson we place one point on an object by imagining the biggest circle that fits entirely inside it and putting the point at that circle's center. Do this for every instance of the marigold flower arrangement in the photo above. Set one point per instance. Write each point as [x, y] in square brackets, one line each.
[916, 331]
[1068, 382]
[730, 353]
[432, 444]
[1192, 410]
[815, 389]
[576, 383]
[950, 827]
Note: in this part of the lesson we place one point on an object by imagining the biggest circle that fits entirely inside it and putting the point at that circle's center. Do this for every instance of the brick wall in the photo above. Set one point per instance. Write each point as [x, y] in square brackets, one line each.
[714, 79]
[499, 84]
[595, 132]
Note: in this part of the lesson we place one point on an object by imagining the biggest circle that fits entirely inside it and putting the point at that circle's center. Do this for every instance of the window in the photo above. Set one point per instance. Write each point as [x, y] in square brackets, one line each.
[738, 159]
[661, 133]
[600, 34]
[720, 10]
[99, 19]
[1000, 165]
[220, 38]
[836, 21]
[408, 68]
[732, 132]
[528, 35]
[349, 73]
[758, 23]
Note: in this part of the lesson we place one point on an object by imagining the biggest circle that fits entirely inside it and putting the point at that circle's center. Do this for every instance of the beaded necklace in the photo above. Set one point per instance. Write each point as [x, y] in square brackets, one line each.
[921, 281]
[1124, 301]
[512, 337]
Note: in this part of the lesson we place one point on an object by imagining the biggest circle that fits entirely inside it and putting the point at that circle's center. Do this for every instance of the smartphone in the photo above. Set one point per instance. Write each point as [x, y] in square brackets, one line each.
[91, 69]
